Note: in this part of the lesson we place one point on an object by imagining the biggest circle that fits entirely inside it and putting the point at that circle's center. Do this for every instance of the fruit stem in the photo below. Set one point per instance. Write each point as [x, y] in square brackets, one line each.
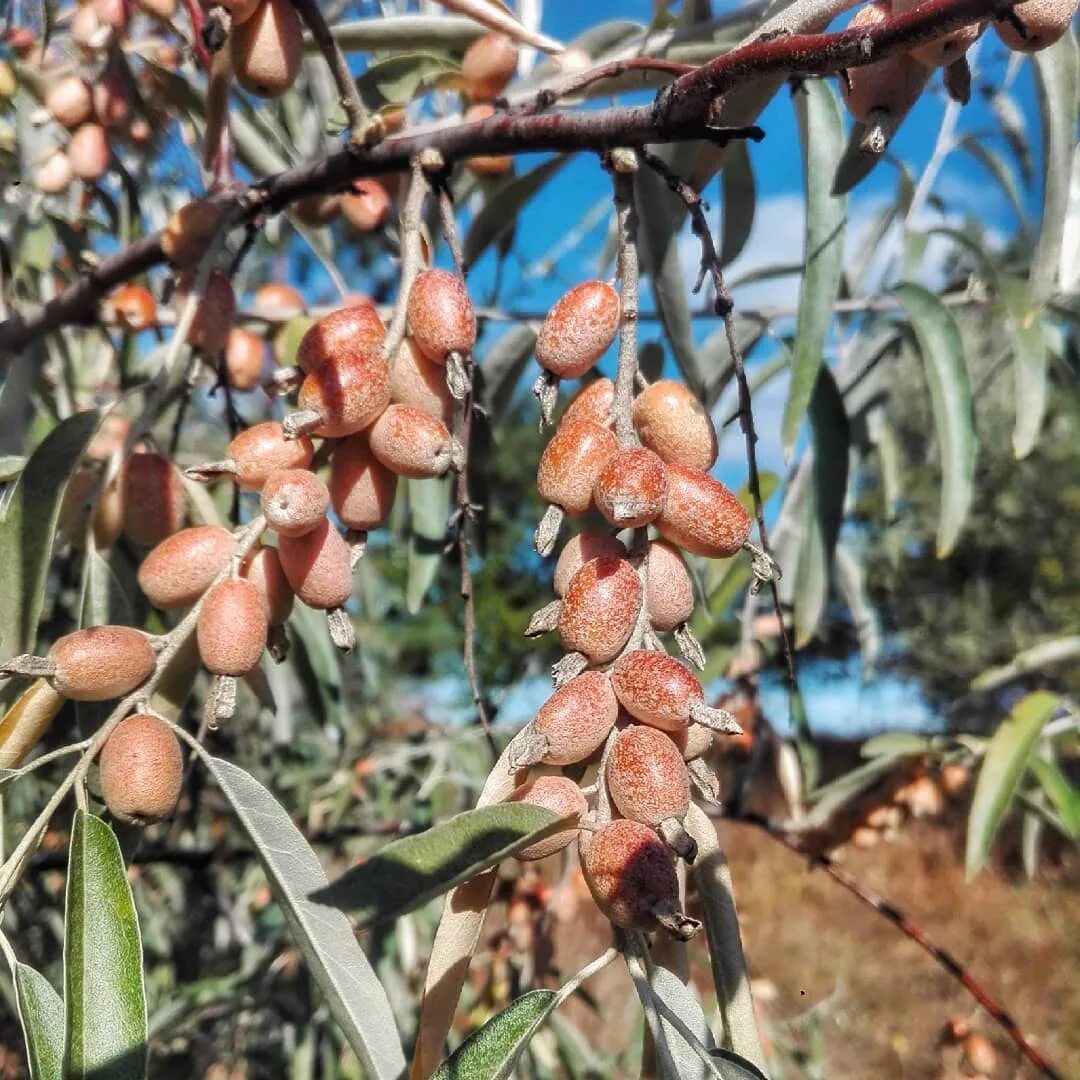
[33, 667]
[412, 258]
[220, 701]
[569, 667]
[300, 423]
[546, 392]
[626, 218]
[689, 646]
[529, 747]
[678, 839]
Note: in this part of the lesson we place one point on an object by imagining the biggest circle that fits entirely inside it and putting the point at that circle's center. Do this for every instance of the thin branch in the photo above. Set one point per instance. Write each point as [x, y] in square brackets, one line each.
[626, 217]
[412, 257]
[911, 930]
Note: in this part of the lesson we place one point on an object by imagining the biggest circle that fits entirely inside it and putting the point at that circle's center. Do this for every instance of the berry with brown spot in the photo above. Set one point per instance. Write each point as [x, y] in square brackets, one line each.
[101, 663]
[214, 314]
[88, 152]
[561, 796]
[366, 205]
[578, 550]
[141, 770]
[263, 569]
[188, 232]
[486, 164]
[294, 501]
[70, 102]
[420, 383]
[657, 690]
[571, 463]
[578, 330]
[133, 307]
[361, 488]
[245, 359]
[183, 566]
[488, 66]
[669, 592]
[345, 394]
[674, 424]
[441, 316]
[1045, 21]
[267, 49]
[600, 609]
[152, 494]
[231, 631]
[592, 402]
[352, 333]
[317, 567]
[701, 515]
[411, 443]
[631, 488]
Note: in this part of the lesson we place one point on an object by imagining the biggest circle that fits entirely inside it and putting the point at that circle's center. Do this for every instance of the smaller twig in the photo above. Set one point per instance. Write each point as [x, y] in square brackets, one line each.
[623, 165]
[412, 257]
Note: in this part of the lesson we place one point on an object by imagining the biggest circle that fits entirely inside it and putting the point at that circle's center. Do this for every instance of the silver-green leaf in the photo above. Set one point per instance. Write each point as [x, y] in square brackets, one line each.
[428, 500]
[41, 1013]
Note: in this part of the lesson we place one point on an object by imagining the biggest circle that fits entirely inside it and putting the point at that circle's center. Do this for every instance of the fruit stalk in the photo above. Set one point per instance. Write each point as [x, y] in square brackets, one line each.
[412, 257]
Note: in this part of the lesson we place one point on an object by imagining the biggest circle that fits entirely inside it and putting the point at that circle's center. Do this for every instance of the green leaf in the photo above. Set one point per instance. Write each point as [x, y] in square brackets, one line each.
[1061, 792]
[851, 580]
[491, 1052]
[998, 169]
[895, 744]
[855, 164]
[41, 1013]
[1069, 269]
[501, 209]
[733, 1067]
[1007, 754]
[942, 350]
[399, 78]
[439, 31]
[105, 601]
[28, 526]
[827, 799]
[103, 973]
[683, 1001]
[355, 998]
[1029, 365]
[502, 365]
[739, 200]
[427, 515]
[1057, 80]
[1045, 654]
[822, 130]
[407, 873]
[10, 466]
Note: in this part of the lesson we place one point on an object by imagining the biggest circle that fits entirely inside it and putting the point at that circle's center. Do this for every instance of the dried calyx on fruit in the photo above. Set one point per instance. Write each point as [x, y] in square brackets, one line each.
[442, 324]
[560, 795]
[631, 488]
[231, 634]
[413, 444]
[141, 770]
[254, 454]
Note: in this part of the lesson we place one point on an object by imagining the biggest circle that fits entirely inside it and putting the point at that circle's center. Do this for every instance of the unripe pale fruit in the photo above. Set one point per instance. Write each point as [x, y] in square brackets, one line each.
[183, 566]
[701, 515]
[294, 501]
[231, 631]
[673, 423]
[263, 449]
[656, 689]
[417, 381]
[214, 315]
[579, 550]
[669, 592]
[278, 298]
[142, 770]
[600, 608]
[411, 443]
[980, 1054]
[592, 402]
[577, 718]
[53, 175]
[101, 663]
[1045, 21]
[353, 333]
[349, 392]
[188, 232]
[571, 463]
[631, 488]
[487, 164]
[366, 205]
[441, 316]
[263, 569]
[488, 65]
[578, 330]
[111, 105]
[316, 209]
[134, 307]
[317, 567]
[361, 488]
[153, 498]
[646, 776]
[88, 152]
[561, 796]
[245, 356]
[891, 85]
[70, 102]
[267, 49]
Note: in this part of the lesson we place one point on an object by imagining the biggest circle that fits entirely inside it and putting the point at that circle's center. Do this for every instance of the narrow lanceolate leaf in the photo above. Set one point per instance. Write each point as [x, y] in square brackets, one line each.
[942, 352]
[1064, 795]
[353, 993]
[428, 500]
[739, 200]
[1006, 757]
[26, 722]
[681, 998]
[28, 526]
[495, 15]
[1029, 365]
[103, 972]
[1069, 269]
[1045, 654]
[403, 32]
[851, 580]
[822, 131]
[1057, 79]
[406, 874]
[491, 1052]
[41, 1013]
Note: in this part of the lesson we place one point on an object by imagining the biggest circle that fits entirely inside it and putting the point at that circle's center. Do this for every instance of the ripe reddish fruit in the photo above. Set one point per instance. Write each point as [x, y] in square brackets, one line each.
[111, 104]
[263, 569]
[571, 725]
[113, 13]
[417, 381]
[579, 550]
[317, 567]
[441, 316]
[153, 498]
[631, 488]
[701, 515]
[578, 330]
[294, 501]
[1045, 21]
[231, 631]
[672, 422]
[189, 231]
[632, 878]
[183, 566]
[487, 164]
[214, 315]
[277, 298]
[411, 443]
[316, 210]
[669, 592]
[592, 402]
[361, 488]
[134, 307]
[88, 30]
[571, 463]
[142, 770]
[54, 174]
[600, 608]
[263, 449]
[656, 689]
[245, 358]
[70, 102]
[101, 663]
[352, 333]
[488, 65]
[890, 86]
[366, 205]
[561, 796]
[267, 49]
[240, 10]
[348, 393]
[88, 152]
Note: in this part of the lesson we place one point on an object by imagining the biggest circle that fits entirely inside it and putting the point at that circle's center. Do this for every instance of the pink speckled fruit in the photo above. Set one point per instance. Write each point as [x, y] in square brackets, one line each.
[578, 330]
[70, 101]
[361, 488]
[317, 567]
[631, 488]
[152, 495]
[441, 316]
[142, 770]
[183, 566]
[214, 316]
[245, 356]
[267, 49]
[673, 423]
[891, 85]
[576, 719]
[263, 569]
[420, 383]
[669, 592]
[600, 608]
[656, 689]
[353, 333]
[231, 630]
[366, 205]
[488, 65]
[411, 443]
[646, 776]
[701, 515]
[560, 795]
[579, 550]
[101, 663]
[349, 391]
[88, 152]
[1045, 21]
[592, 402]
[571, 463]
[294, 501]
[263, 449]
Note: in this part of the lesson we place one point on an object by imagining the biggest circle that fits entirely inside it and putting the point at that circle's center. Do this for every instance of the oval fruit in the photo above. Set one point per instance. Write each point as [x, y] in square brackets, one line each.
[101, 662]
[366, 205]
[560, 795]
[420, 383]
[701, 515]
[577, 718]
[655, 689]
[579, 329]
[294, 501]
[267, 49]
[263, 449]
[592, 402]
[352, 333]
[672, 422]
[245, 357]
[142, 770]
[600, 608]
[152, 495]
[70, 102]
[488, 65]
[441, 316]
[361, 488]
[263, 569]
[88, 152]
[579, 550]
[571, 463]
[183, 566]
[231, 631]
[646, 776]
[631, 488]
[411, 443]
[891, 85]
[1045, 21]
[669, 592]
[317, 567]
